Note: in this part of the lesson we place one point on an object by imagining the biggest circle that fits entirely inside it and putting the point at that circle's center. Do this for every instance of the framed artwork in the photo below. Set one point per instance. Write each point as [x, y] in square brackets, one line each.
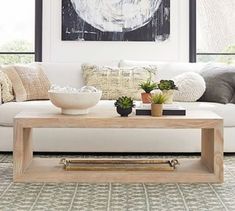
[116, 20]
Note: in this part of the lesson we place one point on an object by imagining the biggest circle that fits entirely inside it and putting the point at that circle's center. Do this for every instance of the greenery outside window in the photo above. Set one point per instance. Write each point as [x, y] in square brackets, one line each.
[212, 34]
[20, 31]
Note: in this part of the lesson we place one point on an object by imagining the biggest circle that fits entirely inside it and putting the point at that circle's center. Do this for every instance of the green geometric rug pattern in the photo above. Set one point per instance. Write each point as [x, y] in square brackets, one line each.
[115, 196]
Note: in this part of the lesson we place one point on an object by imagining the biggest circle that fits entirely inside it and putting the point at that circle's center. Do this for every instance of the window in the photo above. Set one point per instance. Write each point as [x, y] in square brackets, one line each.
[20, 31]
[212, 24]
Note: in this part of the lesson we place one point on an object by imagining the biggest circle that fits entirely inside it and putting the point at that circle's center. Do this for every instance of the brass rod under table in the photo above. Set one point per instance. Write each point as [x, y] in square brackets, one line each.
[118, 164]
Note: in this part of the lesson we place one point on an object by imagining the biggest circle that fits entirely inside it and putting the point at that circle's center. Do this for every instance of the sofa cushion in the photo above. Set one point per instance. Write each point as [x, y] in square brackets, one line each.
[6, 90]
[220, 84]
[223, 110]
[9, 110]
[226, 111]
[115, 82]
[68, 74]
[191, 87]
[29, 82]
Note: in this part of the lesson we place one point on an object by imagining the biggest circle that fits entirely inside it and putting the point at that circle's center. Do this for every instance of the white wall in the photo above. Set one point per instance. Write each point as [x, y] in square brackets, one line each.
[55, 50]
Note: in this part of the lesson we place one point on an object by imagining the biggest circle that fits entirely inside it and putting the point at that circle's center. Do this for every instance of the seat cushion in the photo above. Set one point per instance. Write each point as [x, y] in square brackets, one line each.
[6, 90]
[68, 74]
[9, 110]
[226, 111]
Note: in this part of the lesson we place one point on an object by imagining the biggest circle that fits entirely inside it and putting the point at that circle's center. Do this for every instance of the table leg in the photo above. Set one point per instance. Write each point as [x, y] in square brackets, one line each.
[212, 151]
[22, 149]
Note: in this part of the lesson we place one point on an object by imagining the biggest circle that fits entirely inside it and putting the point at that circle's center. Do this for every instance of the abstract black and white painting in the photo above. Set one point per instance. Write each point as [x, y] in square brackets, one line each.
[116, 20]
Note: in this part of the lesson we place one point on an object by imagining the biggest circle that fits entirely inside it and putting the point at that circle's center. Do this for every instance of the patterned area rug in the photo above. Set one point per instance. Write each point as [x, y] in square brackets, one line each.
[115, 196]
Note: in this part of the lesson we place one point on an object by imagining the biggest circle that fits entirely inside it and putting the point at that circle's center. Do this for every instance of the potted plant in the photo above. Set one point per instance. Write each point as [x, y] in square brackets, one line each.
[157, 101]
[147, 86]
[168, 87]
[124, 105]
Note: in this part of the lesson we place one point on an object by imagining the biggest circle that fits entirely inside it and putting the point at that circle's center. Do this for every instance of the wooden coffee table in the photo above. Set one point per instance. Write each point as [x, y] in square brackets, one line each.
[209, 168]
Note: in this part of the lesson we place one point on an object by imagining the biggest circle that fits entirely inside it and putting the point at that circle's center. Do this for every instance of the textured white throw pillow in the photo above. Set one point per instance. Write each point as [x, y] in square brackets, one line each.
[115, 82]
[6, 90]
[191, 87]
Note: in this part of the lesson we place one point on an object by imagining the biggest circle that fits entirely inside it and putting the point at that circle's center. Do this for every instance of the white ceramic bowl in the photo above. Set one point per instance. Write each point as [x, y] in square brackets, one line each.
[74, 103]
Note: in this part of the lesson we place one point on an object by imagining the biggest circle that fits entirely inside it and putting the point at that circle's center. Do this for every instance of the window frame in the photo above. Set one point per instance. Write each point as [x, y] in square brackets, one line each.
[192, 31]
[193, 35]
[38, 35]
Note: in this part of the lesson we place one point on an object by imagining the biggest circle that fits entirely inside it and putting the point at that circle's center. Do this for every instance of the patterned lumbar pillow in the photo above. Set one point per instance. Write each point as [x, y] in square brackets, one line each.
[115, 82]
[6, 90]
[191, 87]
[29, 82]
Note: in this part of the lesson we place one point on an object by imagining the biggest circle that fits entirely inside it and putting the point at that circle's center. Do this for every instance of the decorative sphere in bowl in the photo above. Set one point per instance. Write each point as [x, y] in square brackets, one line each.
[74, 101]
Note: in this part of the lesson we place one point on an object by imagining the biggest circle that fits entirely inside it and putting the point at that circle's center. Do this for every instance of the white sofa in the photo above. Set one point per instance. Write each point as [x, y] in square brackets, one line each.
[113, 140]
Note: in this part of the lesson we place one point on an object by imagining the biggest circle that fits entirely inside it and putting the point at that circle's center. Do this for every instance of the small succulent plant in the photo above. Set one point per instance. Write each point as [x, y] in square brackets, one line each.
[159, 98]
[124, 102]
[167, 85]
[148, 86]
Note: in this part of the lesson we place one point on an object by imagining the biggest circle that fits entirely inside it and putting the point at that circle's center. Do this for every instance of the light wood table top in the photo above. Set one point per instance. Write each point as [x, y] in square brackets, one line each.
[108, 118]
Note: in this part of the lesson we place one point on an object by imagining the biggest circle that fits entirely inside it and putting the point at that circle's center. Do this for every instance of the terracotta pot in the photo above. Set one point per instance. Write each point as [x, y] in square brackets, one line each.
[170, 94]
[146, 97]
[156, 110]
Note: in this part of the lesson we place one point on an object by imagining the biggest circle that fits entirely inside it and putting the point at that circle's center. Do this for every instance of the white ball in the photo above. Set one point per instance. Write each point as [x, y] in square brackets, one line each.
[191, 86]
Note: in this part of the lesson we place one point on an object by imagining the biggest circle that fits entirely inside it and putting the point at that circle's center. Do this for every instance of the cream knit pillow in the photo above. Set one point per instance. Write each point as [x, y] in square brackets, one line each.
[115, 82]
[29, 82]
[191, 87]
[6, 91]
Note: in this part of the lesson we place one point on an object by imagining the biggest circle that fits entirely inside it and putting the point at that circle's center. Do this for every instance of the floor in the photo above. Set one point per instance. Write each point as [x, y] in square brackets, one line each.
[115, 196]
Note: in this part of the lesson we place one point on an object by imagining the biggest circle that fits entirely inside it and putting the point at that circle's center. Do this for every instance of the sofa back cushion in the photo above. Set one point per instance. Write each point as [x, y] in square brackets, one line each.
[63, 74]
[68, 74]
[166, 70]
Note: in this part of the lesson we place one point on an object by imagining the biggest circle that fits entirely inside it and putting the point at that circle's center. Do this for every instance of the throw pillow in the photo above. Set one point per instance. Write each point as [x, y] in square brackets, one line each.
[220, 84]
[29, 82]
[191, 87]
[115, 82]
[6, 90]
